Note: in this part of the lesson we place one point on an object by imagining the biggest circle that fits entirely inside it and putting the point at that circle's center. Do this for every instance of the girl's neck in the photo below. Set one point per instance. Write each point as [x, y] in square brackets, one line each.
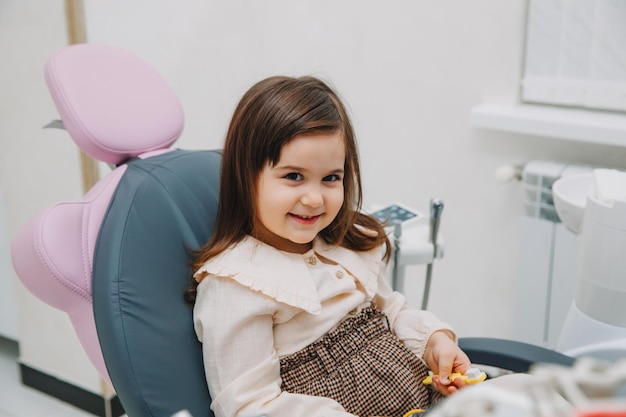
[281, 243]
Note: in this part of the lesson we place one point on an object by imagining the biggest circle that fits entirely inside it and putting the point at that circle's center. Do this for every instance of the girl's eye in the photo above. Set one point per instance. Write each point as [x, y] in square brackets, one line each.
[294, 176]
[332, 177]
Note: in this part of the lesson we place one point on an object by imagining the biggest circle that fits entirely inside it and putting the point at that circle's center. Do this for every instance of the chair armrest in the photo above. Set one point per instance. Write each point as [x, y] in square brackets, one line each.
[510, 354]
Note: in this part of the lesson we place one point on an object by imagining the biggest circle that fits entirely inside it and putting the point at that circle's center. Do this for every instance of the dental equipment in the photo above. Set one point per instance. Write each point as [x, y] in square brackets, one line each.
[395, 276]
[395, 217]
[591, 387]
[593, 206]
[436, 207]
[415, 239]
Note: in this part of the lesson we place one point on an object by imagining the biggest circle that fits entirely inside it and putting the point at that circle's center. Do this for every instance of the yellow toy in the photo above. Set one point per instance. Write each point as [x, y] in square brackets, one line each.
[412, 413]
[472, 376]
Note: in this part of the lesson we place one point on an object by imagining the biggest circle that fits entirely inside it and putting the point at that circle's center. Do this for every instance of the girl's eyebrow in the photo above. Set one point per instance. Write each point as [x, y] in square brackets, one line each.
[300, 169]
[296, 168]
[289, 167]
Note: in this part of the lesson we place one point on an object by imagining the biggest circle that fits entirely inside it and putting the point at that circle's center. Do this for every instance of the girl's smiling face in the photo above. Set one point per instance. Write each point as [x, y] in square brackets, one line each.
[302, 194]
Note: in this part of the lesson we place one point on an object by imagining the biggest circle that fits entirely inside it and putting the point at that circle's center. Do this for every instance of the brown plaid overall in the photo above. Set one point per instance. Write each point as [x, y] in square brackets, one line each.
[362, 365]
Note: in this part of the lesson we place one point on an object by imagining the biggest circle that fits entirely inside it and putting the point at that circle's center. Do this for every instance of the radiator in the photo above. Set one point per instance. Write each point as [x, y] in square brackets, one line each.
[546, 279]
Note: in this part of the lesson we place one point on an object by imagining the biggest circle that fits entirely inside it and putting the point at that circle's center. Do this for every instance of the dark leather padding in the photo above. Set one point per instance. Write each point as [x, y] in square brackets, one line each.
[163, 207]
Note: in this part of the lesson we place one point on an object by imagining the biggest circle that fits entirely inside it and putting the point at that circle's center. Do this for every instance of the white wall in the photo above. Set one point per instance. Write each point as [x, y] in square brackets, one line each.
[8, 301]
[37, 168]
[410, 72]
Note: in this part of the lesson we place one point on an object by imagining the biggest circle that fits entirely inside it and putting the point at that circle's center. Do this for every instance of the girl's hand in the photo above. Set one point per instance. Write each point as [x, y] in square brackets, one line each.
[444, 357]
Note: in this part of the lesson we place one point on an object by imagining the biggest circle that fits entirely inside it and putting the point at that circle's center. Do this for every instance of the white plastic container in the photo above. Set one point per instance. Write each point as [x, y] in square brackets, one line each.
[596, 323]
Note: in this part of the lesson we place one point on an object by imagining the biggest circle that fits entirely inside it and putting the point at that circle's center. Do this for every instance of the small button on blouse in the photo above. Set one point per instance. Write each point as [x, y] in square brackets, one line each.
[312, 260]
[339, 274]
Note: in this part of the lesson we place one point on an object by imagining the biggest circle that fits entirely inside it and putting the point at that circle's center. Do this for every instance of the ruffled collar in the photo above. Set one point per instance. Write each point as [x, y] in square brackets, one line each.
[285, 276]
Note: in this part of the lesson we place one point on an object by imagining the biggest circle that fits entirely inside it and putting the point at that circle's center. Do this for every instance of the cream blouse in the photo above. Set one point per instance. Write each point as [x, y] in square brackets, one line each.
[256, 304]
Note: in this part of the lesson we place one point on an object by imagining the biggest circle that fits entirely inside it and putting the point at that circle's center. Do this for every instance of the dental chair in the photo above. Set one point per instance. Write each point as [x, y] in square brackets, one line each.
[117, 261]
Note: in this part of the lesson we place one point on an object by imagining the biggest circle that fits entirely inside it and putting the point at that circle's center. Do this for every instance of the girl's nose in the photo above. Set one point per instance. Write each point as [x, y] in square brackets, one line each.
[312, 198]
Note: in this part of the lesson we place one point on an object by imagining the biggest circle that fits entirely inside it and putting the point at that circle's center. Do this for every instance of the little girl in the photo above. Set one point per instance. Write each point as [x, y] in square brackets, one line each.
[292, 302]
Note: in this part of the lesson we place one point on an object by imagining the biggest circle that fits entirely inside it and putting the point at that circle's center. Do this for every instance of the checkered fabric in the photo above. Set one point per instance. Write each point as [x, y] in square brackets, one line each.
[362, 365]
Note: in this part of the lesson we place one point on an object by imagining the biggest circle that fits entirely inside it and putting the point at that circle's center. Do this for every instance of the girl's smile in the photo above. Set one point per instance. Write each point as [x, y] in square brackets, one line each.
[305, 219]
[302, 194]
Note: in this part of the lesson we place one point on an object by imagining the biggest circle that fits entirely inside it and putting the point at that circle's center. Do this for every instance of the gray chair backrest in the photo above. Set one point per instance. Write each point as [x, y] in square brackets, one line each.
[164, 206]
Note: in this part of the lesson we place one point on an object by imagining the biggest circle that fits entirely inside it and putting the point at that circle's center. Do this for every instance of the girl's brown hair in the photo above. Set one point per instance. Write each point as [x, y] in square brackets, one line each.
[269, 115]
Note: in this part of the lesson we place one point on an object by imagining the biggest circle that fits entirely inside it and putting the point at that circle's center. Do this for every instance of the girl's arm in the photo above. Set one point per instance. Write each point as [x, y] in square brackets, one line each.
[423, 333]
[235, 326]
[414, 327]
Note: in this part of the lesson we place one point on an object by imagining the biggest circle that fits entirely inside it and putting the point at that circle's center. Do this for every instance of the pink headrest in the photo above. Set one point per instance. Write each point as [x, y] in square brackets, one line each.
[136, 111]
[115, 106]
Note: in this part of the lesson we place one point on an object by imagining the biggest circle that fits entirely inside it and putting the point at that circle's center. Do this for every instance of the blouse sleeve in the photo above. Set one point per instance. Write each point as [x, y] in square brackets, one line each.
[235, 326]
[414, 327]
